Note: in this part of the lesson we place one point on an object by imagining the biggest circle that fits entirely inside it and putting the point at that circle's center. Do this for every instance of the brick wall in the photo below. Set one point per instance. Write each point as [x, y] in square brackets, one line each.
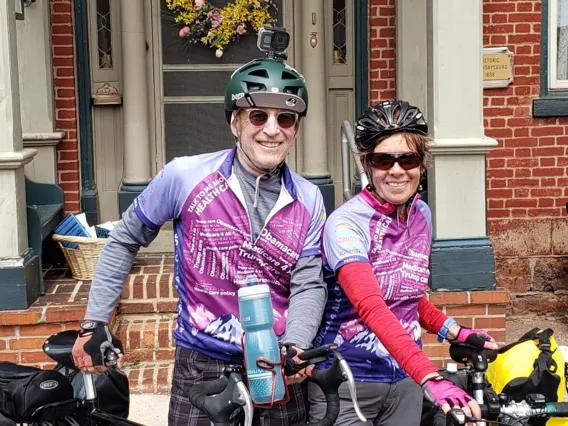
[527, 174]
[65, 101]
[382, 84]
[477, 309]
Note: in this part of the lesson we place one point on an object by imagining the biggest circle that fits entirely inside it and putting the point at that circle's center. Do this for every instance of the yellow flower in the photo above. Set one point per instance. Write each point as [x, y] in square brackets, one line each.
[247, 15]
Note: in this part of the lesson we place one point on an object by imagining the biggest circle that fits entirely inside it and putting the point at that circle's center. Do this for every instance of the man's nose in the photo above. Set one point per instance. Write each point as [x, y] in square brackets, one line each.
[271, 127]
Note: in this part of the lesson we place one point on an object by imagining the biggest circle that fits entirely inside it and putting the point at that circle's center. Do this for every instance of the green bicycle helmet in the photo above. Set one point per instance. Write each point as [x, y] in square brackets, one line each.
[268, 83]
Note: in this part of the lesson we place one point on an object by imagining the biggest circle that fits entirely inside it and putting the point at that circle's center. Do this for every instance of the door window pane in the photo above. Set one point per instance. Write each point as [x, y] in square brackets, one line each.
[562, 41]
[104, 39]
[339, 32]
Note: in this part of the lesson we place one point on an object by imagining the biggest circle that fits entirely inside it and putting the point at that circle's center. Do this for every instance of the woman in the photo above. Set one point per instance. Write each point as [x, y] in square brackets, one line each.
[377, 246]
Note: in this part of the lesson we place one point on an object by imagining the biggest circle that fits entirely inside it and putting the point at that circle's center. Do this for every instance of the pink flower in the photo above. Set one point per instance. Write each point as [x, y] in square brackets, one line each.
[184, 31]
[219, 53]
[216, 20]
[199, 4]
[240, 29]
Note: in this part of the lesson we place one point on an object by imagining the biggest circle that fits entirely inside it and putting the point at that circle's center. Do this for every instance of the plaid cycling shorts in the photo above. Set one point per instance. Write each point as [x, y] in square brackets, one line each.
[193, 367]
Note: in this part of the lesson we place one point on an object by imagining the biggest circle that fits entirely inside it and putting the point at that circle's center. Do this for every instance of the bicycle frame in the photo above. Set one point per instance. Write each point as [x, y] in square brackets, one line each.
[94, 416]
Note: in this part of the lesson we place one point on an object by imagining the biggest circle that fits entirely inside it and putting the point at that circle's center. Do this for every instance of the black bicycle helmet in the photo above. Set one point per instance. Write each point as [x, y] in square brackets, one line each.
[387, 118]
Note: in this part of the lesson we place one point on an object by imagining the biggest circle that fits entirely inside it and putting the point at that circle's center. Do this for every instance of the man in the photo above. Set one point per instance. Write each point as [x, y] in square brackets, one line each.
[236, 213]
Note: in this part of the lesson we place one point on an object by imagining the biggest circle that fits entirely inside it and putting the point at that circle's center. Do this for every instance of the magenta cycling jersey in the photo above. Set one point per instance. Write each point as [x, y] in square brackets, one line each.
[214, 250]
[364, 230]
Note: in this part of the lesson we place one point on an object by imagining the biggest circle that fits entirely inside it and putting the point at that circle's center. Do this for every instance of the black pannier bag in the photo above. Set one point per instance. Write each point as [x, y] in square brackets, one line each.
[25, 389]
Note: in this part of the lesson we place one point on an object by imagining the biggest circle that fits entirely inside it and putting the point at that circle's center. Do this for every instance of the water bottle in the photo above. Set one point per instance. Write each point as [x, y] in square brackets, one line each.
[260, 341]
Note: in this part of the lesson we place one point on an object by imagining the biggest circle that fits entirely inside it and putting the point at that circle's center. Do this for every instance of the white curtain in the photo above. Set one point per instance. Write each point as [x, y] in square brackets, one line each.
[562, 41]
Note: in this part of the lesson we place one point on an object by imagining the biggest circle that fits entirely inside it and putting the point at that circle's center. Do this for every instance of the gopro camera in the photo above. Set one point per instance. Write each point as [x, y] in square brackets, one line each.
[274, 41]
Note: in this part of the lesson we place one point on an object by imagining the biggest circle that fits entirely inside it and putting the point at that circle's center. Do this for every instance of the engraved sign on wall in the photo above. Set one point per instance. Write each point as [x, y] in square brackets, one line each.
[497, 67]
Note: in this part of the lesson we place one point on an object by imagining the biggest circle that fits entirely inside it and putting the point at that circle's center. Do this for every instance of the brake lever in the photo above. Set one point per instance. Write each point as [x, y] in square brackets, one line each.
[110, 358]
[242, 396]
[347, 375]
[455, 417]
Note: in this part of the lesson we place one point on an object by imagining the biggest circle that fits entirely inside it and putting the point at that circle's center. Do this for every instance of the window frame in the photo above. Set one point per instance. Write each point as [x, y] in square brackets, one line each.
[553, 83]
[553, 100]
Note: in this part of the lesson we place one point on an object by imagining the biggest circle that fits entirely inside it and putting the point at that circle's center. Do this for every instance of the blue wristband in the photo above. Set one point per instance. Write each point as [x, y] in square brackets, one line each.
[445, 328]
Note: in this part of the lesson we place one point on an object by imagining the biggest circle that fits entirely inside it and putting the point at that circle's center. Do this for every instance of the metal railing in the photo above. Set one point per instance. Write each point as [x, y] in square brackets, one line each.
[348, 147]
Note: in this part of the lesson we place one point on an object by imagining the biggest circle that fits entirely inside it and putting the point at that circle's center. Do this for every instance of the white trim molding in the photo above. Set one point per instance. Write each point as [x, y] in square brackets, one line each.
[465, 146]
[15, 160]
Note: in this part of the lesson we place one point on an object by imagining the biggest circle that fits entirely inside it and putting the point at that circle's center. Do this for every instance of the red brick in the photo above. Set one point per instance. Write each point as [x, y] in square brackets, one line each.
[62, 40]
[496, 310]
[167, 306]
[436, 351]
[134, 335]
[66, 314]
[165, 354]
[6, 331]
[137, 308]
[151, 287]
[164, 335]
[35, 357]
[485, 323]
[40, 330]
[165, 286]
[521, 203]
[149, 334]
[151, 270]
[20, 318]
[494, 297]
[449, 298]
[62, 29]
[138, 287]
[69, 176]
[64, 8]
[9, 356]
[466, 310]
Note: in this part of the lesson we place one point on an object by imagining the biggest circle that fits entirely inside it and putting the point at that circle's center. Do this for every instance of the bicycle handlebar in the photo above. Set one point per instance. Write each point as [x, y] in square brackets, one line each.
[516, 410]
[220, 398]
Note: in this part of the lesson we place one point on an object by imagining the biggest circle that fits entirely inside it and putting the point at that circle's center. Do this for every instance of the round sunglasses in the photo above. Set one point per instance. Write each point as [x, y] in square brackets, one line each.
[259, 117]
[385, 160]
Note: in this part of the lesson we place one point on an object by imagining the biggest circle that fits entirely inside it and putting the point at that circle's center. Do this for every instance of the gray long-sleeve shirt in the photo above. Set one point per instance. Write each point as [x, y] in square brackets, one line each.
[308, 293]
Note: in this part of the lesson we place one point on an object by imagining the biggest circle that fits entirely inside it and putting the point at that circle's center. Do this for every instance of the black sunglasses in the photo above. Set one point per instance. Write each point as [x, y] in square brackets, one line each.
[385, 160]
[259, 117]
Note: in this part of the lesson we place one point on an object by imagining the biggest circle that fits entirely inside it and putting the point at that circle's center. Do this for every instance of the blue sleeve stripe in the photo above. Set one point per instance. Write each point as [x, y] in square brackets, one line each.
[350, 259]
[314, 251]
[144, 219]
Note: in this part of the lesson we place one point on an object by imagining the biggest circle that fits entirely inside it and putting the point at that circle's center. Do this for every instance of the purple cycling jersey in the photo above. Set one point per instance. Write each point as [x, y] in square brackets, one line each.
[214, 250]
[364, 230]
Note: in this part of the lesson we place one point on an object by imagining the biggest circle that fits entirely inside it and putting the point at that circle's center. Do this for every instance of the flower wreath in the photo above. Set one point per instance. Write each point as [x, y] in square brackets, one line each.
[217, 27]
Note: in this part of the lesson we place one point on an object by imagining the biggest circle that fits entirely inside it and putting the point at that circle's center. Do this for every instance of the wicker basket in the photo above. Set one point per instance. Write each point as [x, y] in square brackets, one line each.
[84, 258]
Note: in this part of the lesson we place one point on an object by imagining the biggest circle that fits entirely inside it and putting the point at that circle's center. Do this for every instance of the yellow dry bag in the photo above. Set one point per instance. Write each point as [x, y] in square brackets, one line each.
[533, 364]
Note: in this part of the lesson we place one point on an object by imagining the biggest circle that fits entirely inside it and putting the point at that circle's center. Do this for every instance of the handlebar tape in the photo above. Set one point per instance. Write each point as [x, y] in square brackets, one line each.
[560, 407]
[329, 382]
[200, 395]
[439, 419]
[316, 352]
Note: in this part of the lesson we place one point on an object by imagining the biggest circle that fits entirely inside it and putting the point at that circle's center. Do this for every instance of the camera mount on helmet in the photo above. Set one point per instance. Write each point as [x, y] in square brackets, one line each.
[274, 41]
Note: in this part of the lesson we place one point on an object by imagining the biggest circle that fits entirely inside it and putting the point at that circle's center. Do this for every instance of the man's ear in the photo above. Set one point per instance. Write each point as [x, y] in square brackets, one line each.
[235, 125]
